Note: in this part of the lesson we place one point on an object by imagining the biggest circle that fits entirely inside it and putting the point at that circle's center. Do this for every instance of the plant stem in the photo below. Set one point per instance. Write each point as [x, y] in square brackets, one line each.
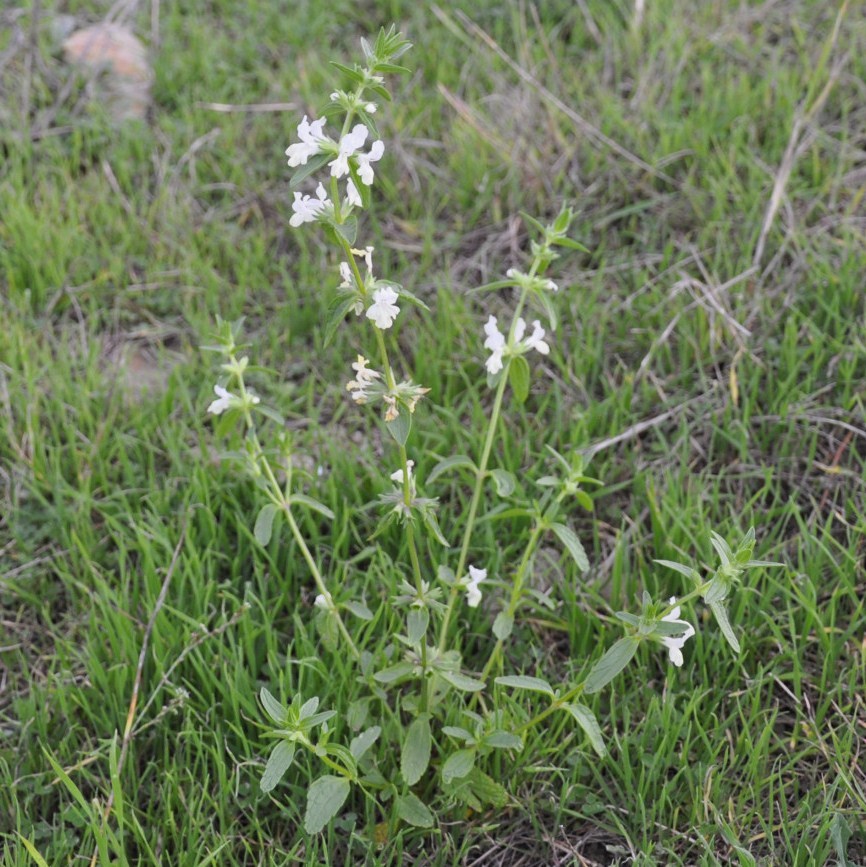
[482, 469]
[572, 693]
[279, 498]
[516, 593]
[404, 463]
[473, 506]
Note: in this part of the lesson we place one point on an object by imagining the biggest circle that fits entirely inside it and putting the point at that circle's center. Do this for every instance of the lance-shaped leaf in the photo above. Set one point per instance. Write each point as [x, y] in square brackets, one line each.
[413, 811]
[278, 763]
[324, 799]
[522, 681]
[611, 664]
[721, 616]
[265, 524]
[416, 750]
[569, 538]
[587, 721]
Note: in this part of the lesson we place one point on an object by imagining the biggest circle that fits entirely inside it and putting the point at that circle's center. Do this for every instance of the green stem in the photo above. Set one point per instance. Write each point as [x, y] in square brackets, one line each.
[404, 463]
[279, 498]
[473, 506]
[482, 466]
[572, 693]
[516, 593]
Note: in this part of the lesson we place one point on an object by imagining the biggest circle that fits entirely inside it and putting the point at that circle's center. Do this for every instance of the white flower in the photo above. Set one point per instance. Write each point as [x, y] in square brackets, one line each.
[326, 603]
[495, 342]
[674, 643]
[536, 339]
[367, 255]
[383, 311]
[311, 141]
[471, 582]
[349, 143]
[225, 400]
[398, 475]
[363, 378]
[365, 170]
[346, 275]
[370, 108]
[307, 209]
[353, 197]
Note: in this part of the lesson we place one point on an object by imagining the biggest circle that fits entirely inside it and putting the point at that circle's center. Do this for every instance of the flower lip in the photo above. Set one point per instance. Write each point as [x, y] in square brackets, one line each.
[675, 643]
[311, 141]
[383, 311]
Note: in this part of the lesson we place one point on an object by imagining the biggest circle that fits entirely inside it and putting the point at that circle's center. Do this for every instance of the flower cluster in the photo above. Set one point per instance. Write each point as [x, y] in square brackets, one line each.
[348, 159]
[515, 344]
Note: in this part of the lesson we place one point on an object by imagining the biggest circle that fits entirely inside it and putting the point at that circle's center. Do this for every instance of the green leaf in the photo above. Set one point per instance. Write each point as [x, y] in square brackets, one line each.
[348, 229]
[412, 810]
[503, 741]
[477, 790]
[721, 616]
[353, 75]
[278, 763]
[522, 681]
[504, 481]
[364, 741]
[461, 681]
[359, 610]
[531, 221]
[611, 664]
[325, 797]
[341, 753]
[587, 721]
[273, 708]
[688, 571]
[585, 500]
[717, 592]
[313, 164]
[337, 311]
[569, 538]
[723, 549]
[409, 296]
[457, 732]
[315, 505]
[458, 765]
[570, 243]
[394, 672]
[503, 625]
[416, 750]
[400, 427]
[432, 525]
[550, 311]
[268, 412]
[518, 376]
[308, 708]
[416, 624]
[840, 834]
[265, 524]
[449, 464]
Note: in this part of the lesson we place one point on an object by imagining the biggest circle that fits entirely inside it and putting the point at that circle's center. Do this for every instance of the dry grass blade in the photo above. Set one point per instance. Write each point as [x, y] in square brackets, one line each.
[798, 142]
[589, 130]
[136, 684]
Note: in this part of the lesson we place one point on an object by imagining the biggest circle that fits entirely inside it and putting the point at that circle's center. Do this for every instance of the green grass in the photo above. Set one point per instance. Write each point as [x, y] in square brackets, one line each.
[726, 761]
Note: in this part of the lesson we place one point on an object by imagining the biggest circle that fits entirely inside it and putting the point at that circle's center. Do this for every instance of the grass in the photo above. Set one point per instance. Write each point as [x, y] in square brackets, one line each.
[119, 247]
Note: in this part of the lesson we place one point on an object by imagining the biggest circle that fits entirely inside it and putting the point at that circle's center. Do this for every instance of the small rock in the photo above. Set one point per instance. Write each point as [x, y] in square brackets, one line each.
[116, 62]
